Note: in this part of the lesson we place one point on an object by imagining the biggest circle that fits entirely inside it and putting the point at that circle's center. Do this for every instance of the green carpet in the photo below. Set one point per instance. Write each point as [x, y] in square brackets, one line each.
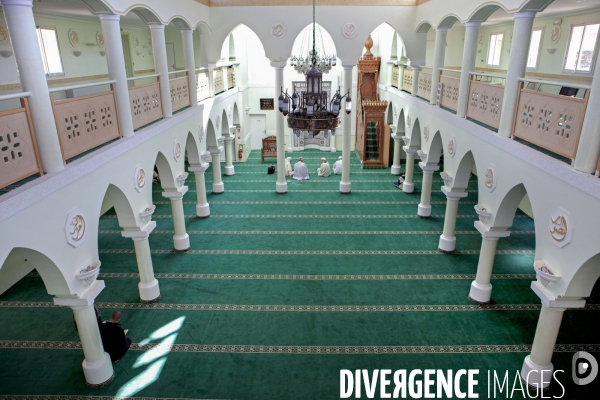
[280, 292]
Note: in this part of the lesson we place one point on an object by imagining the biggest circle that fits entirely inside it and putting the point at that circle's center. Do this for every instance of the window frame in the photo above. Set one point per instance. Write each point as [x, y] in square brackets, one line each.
[43, 50]
[564, 70]
[503, 33]
[537, 63]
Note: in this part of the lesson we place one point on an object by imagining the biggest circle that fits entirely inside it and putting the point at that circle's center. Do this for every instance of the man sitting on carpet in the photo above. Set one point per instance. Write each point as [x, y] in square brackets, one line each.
[300, 170]
[288, 167]
[113, 337]
[337, 166]
[324, 169]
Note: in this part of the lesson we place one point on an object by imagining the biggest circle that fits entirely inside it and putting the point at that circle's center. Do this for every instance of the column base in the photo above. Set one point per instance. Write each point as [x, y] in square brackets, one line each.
[181, 243]
[149, 292]
[345, 187]
[536, 376]
[281, 187]
[480, 294]
[229, 171]
[447, 244]
[408, 187]
[333, 150]
[396, 169]
[218, 188]
[424, 211]
[98, 374]
[203, 210]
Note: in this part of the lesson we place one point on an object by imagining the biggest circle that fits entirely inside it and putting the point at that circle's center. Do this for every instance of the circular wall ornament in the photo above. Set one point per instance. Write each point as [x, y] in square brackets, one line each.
[139, 178]
[136, 42]
[452, 146]
[200, 133]
[408, 120]
[73, 38]
[218, 124]
[75, 227]
[349, 30]
[560, 228]
[99, 39]
[3, 34]
[426, 132]
[555, 34]
[490, 178]
[177, 150]
[278, 30]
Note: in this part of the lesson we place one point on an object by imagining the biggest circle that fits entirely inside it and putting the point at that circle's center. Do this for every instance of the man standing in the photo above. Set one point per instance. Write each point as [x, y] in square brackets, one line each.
[113, 337]
[324, 169]
[300, 170]
[337, 166]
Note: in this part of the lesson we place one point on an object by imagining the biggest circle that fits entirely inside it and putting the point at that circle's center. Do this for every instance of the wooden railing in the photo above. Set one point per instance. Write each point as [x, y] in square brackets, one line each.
[485, 103]
[424, 86]
[550, 121]
[180, 95]
[145, 101]
[449, 97]
[202, 84]
[19, 157]
[395, 74]
[407, 80]
[85, 122]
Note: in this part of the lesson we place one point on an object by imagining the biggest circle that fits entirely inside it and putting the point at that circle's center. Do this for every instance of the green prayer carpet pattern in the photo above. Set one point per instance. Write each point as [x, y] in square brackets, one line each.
[280, 292]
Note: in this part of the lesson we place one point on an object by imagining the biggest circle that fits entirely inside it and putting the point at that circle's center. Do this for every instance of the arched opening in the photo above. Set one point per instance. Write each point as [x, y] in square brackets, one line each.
[464, 171]
[224, 123]
[211, 137]
[584, 281]
[191, 150]
[435, 150]
[415, 136]
[236, 115]
[401, 131]
[165, 172]
[388, 45]
[515, 199]
[115, 202]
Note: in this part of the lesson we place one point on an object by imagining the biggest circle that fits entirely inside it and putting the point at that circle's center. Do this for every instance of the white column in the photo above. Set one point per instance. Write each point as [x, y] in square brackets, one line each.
[415, 81]
[148, 286]
[468, 65]
[409, 185]
[23, 36]
[345, 184]
[424, 210]
[481, 287]
[97, 366]
[281, 186]
[181, 240]
[202, 206]
[517, 66]
[588, 151]
[211, 78]
[447, 239]
[396, 167]
[217, 186]
[161, 66]
[438, 61]
[187, 36]
[111, 29]
[332, 141]
[229, 168]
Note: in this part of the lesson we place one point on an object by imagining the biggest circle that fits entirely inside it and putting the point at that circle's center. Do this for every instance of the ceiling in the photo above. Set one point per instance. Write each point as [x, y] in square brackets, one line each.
[556, 8]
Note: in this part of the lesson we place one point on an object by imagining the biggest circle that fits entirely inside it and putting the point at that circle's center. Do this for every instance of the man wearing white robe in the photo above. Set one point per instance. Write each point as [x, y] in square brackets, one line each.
[288, 167]
[300, 170]
[337, 166]
[324, 169]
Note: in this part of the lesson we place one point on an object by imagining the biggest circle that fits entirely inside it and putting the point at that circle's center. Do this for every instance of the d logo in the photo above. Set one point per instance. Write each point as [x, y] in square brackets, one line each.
[585, 368]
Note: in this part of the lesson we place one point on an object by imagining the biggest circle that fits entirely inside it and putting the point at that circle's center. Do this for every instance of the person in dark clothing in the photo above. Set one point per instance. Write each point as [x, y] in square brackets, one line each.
[113, 337]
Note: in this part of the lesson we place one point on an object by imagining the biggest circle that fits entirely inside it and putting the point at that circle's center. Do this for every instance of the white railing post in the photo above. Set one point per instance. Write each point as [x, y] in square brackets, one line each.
[588, 150]
[438, 62]
[159, 48]
[468, 65]
[187, 37]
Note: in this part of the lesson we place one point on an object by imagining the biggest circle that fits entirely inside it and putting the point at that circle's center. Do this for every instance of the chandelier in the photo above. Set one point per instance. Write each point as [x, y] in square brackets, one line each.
[310, 109]
[323, 63]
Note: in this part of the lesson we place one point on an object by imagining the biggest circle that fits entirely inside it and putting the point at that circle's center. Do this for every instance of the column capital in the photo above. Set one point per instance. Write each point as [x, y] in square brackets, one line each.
[428, 168]
[84, 300]
[109, 17]
[176, 194]
[278, 64]
[228, 139]
[22, 3]
[348, 64]
[186, 31]
[472, 24]
[140, 234]
[524, 15]
[453, 195]
[489, 233]
[198, 168]
[397, 138]
[553, 302]
[157, 27]
[441, 30]
[216, 151]
[410, 151]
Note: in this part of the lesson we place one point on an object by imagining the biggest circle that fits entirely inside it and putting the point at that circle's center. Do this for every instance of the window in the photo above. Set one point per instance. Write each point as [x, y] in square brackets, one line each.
[582, 44]
[534, 48]
[495, 49]
[50, 51]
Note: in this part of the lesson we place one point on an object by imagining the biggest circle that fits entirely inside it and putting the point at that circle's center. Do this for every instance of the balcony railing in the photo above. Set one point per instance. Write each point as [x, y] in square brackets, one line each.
[202, 84]
[145, 101]
[449, 95]
[85, 122]
[424, 86]
[485, 100]
[19, 157]
[230, 78]
[180, 93]
[407, 80]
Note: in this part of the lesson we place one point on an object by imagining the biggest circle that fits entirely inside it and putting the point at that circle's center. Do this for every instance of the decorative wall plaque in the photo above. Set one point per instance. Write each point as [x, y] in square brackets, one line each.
[349, 30]
[218, 124]
[177, 150]
[490, 178]
[200, 133]
[555, 34]
[75, 227]
[267, 104]
[139, 178]
[560, 228]
[3, 34]
[452, 146]
[278, 30]
[426, 132]
[136, 42]
[408, 120]
[99, 39]
[73, 38]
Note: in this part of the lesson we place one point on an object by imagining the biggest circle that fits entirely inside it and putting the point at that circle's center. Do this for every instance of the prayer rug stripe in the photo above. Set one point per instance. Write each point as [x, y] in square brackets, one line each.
[193, 232]
[314, 252]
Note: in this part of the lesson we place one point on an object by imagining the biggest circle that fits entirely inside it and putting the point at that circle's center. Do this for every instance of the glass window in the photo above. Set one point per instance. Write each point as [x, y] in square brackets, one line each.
[48, 42]
[582, 44]
[495, 49]
[534, 48]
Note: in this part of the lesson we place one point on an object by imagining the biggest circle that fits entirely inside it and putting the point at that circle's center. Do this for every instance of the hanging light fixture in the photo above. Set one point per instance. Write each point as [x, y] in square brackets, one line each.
[309, 110]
